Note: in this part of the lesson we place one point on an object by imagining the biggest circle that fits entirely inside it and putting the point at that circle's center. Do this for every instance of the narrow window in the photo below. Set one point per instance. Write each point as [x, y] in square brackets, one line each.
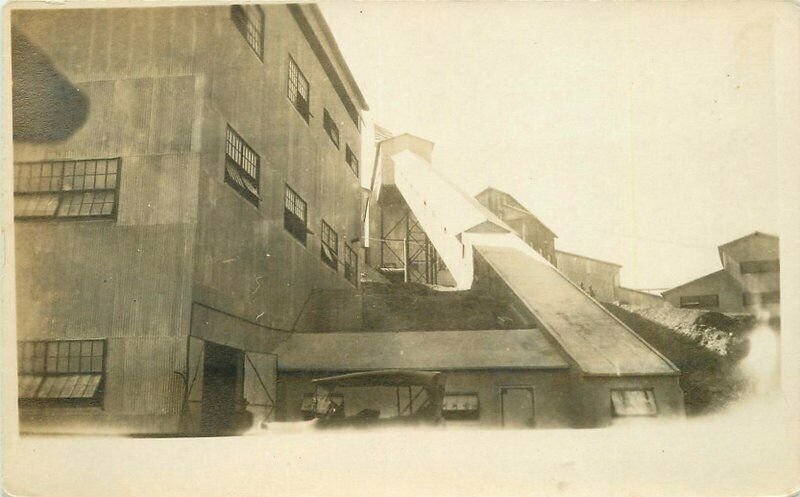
[633, 403]
[66, 189]
[700, 301]
[297, 90]
[330, 246]
[350, 264]
[249, 20]
[242, 167]
[61, 373]
[330, 127]
[767, 266]
[351, 159]
[295, 214]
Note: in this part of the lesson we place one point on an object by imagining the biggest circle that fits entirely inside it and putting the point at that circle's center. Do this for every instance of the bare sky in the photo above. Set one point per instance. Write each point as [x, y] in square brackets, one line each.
[641, 133]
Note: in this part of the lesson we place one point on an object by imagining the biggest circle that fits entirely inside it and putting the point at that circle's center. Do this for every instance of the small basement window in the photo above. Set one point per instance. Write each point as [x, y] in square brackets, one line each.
[330, 127]
[64, 372]
[700, 301]
[351, 160]
[330, 246]
[633, 403]
[350, 265]
[461, 406]
[298, 90]
[71, 189]
[249, 20]
[242, 167]
[295, 215]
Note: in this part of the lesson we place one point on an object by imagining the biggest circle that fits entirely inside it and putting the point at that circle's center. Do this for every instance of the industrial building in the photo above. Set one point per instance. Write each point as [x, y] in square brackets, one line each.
[749, 280]
[192, 230]
[600, 279]
[532, 231]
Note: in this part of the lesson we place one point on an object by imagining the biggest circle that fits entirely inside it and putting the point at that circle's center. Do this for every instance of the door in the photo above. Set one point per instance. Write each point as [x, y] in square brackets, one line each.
[516, 407]
[223, 375]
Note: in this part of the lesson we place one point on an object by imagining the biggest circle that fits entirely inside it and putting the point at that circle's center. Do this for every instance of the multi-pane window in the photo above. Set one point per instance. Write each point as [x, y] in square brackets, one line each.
[330, 246]
[633, 403]
[298, 90]
[249, 20]
[66, 189]
[460, 406]
[768, 266]
[61, 371]
[700, 301]
[350, 264]
[761, 298]
[242, 166]
[295, 215]
[351, 159]
[330, 127]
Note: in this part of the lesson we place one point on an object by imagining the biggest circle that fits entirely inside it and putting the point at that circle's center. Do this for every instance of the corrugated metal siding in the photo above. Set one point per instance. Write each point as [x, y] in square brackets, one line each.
[147, 383]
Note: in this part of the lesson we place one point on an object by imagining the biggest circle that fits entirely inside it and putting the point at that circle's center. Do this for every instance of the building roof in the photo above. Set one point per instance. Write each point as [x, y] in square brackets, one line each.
[597, 341]
[743, 238]
[427, 350]
[524, 210]
[455, 209]
[588, 258]
[721, 274]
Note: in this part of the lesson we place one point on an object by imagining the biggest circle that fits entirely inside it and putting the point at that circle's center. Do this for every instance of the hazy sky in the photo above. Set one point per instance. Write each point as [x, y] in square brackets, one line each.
[640, 133]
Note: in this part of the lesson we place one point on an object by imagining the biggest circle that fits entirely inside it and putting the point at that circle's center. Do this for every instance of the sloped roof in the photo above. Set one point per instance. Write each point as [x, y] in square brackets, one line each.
[601, 261]
[743, 238]
[431, 350]
[524, 210]
[600, 344]
[716, 275]
[454, 207]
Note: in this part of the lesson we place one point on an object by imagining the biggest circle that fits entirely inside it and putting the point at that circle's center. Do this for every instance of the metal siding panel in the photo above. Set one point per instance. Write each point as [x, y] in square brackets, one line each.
[150, 385]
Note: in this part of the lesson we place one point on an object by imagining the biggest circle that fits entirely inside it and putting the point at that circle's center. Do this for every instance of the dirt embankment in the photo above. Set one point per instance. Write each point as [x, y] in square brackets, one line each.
[706, 346]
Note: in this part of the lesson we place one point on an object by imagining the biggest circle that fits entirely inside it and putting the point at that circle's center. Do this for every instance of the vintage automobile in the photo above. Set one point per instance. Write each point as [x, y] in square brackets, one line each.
[372, 398]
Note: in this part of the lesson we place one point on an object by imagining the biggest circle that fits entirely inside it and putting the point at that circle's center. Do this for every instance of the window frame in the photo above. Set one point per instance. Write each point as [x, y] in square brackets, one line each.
[291, 220]
[326, 231]
[292, 97]
[61, 193]
[351, 273]
[461, 414]
[651, 391]
[688, 305]
[351, 160]
[331, 128]
[242, 21]
[44, 373]
[240, 169]
[760, 266]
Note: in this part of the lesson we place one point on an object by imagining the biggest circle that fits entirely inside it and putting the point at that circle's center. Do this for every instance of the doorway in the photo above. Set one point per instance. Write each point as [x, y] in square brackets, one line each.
[223, 389]
[517, 407]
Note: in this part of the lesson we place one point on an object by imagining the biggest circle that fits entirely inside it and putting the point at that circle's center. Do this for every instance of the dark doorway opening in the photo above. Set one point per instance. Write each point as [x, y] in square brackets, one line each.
[223, 390]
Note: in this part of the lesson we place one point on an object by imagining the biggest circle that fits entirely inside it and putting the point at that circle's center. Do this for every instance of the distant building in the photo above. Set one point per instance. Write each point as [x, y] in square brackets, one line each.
[748, 281]
[598, 278]
[527, 226]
